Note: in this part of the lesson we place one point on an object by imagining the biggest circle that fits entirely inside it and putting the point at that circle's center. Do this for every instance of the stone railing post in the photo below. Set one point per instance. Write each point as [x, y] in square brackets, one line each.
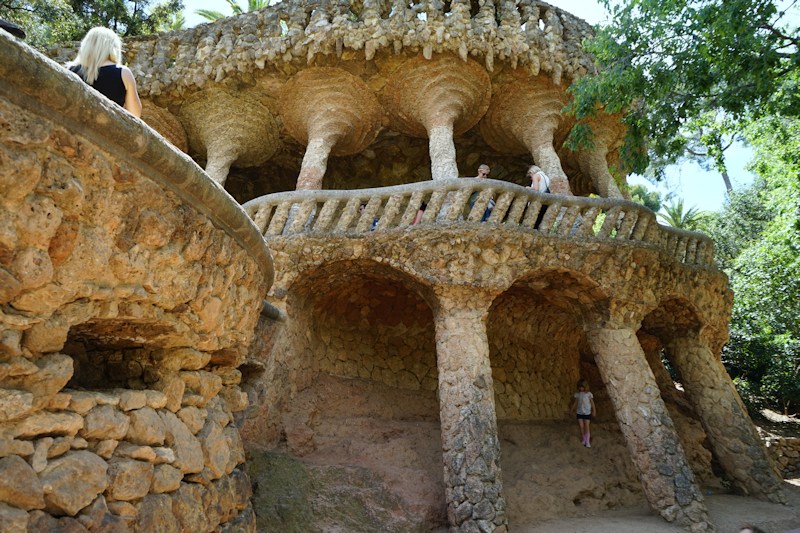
[471, 450]
[730, 430]
[667, 479]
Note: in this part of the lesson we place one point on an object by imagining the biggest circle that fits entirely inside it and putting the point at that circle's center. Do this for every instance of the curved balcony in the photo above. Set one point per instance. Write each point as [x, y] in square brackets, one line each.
[448, 203]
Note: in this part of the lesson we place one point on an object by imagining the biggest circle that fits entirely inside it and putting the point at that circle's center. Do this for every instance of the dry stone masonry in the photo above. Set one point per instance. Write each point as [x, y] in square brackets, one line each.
[131, 286]
[420, 344]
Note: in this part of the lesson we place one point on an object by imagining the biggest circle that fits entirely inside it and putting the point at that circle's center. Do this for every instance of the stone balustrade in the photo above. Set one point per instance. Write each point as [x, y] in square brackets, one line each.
[448, 202]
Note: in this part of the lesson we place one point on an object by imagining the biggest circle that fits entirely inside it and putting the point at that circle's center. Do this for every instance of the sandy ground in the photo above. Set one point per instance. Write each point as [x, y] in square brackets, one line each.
[728, 513]
[547, 474]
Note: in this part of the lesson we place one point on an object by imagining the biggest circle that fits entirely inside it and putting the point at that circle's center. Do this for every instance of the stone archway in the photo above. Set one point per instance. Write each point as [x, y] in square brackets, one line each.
[538, 351]
[692, 345]
[360, 341]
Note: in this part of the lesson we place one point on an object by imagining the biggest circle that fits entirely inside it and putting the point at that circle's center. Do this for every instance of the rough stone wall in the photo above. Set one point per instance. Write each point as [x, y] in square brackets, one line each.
[125, 306]
[785, 451]
[380, 333]
[534, 352]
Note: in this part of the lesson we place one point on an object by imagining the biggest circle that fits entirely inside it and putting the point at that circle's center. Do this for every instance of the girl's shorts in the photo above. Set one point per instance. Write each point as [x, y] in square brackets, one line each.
[584, 417]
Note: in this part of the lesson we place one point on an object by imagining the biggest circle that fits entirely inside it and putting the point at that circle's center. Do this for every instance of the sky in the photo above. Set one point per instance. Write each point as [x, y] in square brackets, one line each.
[699, 188]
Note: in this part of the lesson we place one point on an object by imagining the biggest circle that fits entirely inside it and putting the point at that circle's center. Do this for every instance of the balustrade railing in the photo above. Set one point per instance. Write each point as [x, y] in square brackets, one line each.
[471, 201]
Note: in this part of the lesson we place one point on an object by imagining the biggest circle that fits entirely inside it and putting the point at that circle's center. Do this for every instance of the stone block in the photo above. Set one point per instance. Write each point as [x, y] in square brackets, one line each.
[19, 485]
[188, 451]
[14, 404]
[193, 417]
[182, 359]
[129, 479]
[172, 387]
[166, 478]
[72, 481]
[131, 399]
[12, 519]
[215, 448]
[187, 505]
[46, 423]
[155, 514]
[105, 422]
[146, 427]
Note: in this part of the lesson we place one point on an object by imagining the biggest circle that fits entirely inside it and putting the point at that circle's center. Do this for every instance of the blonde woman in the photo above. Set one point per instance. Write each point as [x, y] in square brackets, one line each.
[98, 64]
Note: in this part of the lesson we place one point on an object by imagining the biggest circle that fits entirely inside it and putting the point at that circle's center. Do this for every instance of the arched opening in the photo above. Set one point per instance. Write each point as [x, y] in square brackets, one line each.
[363, 404]
[676, 317]
[538, 352]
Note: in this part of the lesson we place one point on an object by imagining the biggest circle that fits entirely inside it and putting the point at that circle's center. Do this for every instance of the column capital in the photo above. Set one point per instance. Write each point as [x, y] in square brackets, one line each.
[463, 298]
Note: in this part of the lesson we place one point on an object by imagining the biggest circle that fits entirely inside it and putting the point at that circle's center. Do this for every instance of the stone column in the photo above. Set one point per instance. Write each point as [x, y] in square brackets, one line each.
[442, 150]
[470, 446]
[315, 163]
[437, 98]
[667, 479]
[732, 434]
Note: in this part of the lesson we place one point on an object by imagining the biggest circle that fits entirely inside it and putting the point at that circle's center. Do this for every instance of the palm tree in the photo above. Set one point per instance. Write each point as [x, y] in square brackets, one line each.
[252, 5]
[674, 215]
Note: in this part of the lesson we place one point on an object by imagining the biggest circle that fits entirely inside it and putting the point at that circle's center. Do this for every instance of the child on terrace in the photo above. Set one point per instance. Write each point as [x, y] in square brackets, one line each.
[583, 405]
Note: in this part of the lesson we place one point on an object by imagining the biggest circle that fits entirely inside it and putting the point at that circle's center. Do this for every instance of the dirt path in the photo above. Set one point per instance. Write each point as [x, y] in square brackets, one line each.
[728, 513]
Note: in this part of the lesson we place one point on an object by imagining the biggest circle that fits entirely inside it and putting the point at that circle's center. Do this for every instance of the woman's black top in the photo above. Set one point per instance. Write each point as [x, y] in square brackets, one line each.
[108, 83]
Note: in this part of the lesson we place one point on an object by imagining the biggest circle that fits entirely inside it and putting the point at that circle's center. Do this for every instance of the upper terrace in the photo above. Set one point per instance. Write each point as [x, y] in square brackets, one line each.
[345, 95]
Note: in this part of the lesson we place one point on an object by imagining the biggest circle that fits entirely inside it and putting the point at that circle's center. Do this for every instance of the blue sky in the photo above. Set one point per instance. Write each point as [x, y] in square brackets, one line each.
[699, 188]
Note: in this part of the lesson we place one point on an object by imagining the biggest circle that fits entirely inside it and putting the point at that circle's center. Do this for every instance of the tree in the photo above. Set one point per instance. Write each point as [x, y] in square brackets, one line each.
[667, 64]
[764, 348]
[45, 21]
[676, 216]
[649, 199]
[49, 22]
[252, 5]
[126, 17]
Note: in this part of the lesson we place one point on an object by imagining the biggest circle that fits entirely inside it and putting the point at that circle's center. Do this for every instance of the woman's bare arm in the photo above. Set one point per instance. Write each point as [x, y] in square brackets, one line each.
[132, 102]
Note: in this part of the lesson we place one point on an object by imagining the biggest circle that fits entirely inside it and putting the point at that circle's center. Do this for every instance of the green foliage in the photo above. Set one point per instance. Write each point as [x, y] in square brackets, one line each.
[677, 216]
[649, 199]
[126, 17]
[50, 22]
[761, 253]
[686, 73]
[252, 5]
[45, 21]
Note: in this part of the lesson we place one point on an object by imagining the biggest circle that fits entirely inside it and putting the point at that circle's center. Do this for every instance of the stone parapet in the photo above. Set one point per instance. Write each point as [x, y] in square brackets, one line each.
[530, 34]
[448, 203]
[130, 286]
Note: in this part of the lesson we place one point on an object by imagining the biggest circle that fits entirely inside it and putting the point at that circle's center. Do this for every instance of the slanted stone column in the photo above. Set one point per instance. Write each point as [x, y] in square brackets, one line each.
[730, 430]
[470, 445]
[666, 477]
[523, 118]
[608, 133]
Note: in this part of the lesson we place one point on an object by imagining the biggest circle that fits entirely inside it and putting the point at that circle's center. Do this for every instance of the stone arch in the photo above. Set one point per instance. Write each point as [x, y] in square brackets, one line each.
[360, 339]
[556, 302]
[674, 317]
[538, 350]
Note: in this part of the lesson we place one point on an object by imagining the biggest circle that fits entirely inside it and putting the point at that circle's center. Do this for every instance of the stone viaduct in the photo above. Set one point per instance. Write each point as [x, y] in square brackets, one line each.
[147, 338]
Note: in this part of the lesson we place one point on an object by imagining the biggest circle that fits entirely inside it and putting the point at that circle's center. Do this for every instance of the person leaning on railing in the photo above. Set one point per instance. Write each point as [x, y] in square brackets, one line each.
[483, 172]
[540, 183]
